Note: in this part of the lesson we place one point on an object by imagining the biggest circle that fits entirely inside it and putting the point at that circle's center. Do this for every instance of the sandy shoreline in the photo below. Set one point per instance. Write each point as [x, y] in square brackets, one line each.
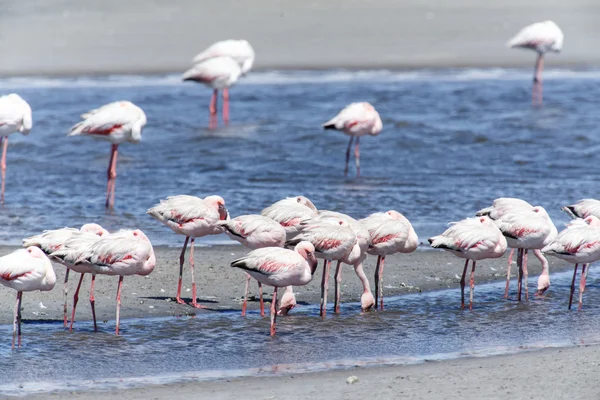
[220, 287]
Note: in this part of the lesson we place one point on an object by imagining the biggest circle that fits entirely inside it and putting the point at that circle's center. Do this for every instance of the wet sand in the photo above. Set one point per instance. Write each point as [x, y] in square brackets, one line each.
[73, 37]
[220, 287]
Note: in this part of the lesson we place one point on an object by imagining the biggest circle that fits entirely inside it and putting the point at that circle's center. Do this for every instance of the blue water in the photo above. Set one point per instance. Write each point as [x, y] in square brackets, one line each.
[453, 140]
[413, 328]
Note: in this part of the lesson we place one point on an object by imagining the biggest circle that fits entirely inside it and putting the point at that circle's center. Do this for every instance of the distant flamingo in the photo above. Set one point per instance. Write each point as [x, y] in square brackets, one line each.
[356, 120]
[53, 240]
[219, 73]
[529, 230]
[333, 240]
[239, 50]
[583, 208]
[123, 253]
[118, 122]
[192, 217]
[25, 270]
[579, 243]
[542, 37]
[15, 116]
[279, 267]
[473, 239]
[390, 233]
[256, 232]
[507, 205]
[290, 212]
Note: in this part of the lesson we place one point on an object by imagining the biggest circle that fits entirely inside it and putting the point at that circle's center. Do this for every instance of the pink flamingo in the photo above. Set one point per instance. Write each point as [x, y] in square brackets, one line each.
[355, 258]
[118, 122]
[15, 116]
[390, 233]
[52, 240]
[123, 253]
[257, 232]
[192, 217]
[279, 267]
[290, 212]
[578, 244]
[529, 230]
[509, 205]
[333, 240]
[25, 270]
[356, 120]
[542, 37]
[473, 239]
[583, 208]
[219, 73]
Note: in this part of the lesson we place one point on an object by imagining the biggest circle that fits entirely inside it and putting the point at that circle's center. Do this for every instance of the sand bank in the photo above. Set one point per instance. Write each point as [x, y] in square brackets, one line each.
[134, 36]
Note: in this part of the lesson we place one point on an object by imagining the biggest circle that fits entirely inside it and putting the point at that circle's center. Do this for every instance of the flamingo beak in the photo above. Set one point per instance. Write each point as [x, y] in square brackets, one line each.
[540, 292]
[223, 214]
[312, 261]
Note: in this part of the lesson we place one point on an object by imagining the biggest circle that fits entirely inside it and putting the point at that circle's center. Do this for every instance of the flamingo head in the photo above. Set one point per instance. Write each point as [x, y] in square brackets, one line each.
[592, 220]
[36, 252]
[306, 202]
[95, 229]
[219, 204]
[307, 251]
[288, 302]
[367, 301]
[543, 284]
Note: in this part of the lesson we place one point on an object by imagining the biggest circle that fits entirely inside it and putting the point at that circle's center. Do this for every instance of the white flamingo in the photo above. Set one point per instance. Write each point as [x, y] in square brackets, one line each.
[290, 212]
[192, 217]
[15, 116]
[118, 122]
[240, 50]
[279, 267]
[542, 37]
[25, 270]
[356, 120]
[473, 239]
[583, 208]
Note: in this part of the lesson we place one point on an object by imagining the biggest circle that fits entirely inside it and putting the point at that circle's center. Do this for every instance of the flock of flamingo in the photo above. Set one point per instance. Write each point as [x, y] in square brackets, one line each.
[290, 235]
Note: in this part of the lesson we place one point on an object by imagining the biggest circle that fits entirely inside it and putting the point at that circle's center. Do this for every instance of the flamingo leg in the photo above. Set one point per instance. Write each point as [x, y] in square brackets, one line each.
[462, 285]
[357, 156]
[582, 281]
[520, 279]
[93, 302]
[225, 95]
[273, 311]
[248, 277]
[377, 281]
[119, 289]
[75, 300]
[212, 124]
[3, 164]
[65, 294]
[112, 176]
[338, 283]
[181, 261]
[472, 284]
[537, 80]
[194, 297]
[324, 287]
[510, 257]
[380, 281]
[262, 301]
[525, 274]
[573, 286]
[17, 321]
[348, 155]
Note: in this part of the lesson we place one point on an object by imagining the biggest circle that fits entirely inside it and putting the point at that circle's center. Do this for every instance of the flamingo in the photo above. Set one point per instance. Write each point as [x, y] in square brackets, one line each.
[542, 37]
[192, 217]
[578, 244]
[583, 208]
[52, 240]
[123, 253]
[390, 233]
[118, 122]
[218, 73]
[256, 232]
[473, 239]
[355, 258]
[356, 120]
[529, 230]
[240, 50]
[333, 240]
[279, 267]
[15, 116]
[506, 205]
[290, 212]
[25, 270]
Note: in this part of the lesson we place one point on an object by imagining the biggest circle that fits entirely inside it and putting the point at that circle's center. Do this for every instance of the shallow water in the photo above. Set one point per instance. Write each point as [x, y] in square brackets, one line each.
[413, 328]
[453, 140]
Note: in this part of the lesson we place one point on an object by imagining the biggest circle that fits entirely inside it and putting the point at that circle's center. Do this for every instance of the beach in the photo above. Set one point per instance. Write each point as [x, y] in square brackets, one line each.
[61, 37]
